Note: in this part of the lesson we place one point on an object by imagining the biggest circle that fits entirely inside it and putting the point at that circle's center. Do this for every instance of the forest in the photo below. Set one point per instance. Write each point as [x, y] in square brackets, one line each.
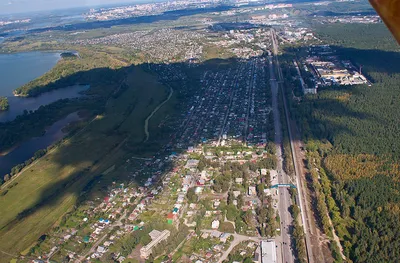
[4, 104]
[359, 173]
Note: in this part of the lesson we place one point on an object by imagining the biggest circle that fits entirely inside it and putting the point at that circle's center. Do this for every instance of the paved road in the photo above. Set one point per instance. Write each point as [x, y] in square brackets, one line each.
[146, 122]
[284, 253]
[302, 195]
[250, 88]
[231, 96]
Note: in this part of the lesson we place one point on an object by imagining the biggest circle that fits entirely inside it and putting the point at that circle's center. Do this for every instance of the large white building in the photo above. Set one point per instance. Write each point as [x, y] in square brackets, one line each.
[268, 251]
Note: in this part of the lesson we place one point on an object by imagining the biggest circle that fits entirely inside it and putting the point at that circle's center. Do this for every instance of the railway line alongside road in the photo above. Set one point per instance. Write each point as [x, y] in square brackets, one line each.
[314, 253]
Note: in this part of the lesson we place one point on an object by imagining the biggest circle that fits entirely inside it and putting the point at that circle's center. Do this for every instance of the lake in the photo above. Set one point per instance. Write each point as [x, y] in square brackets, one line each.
[20, 68]
[26, 150]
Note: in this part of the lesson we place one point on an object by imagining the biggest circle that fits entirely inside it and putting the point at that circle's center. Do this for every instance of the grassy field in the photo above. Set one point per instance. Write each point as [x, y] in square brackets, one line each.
[44, 192]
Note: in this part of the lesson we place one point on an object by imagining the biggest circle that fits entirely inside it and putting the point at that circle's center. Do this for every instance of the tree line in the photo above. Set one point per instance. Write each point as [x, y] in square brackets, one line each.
[4, 104]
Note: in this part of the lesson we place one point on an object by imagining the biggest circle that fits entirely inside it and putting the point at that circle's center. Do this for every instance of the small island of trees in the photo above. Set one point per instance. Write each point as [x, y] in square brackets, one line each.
[68, 55]
[4, 104]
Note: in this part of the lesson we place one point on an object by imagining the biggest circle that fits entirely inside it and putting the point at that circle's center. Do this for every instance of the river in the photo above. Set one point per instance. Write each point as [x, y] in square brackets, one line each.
[16, 70]
[19, 104]
[25, 150]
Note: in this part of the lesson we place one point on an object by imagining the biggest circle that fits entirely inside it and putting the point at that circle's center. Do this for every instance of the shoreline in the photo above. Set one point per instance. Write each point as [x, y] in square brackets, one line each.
[11, 90]
[18, 95]
[7, 151]
[52, 147]
[49, 51]
[59, 58]
[55, 51]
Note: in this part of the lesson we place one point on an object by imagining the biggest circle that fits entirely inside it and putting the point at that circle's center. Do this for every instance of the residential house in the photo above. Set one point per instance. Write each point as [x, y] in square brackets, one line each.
[215, 224]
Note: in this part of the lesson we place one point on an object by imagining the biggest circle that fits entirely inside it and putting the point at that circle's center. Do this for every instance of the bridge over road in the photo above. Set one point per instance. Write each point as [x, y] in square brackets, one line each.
[283, 185]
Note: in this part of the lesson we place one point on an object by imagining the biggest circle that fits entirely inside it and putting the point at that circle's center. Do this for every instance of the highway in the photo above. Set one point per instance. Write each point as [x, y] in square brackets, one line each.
[284, 252]
[301, 194]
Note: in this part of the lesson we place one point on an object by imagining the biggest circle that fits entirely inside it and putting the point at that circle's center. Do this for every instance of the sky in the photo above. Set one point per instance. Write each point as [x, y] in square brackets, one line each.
[23, 6]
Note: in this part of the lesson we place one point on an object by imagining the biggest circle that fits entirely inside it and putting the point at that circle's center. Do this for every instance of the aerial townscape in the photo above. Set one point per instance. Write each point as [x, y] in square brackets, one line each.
[199, 131]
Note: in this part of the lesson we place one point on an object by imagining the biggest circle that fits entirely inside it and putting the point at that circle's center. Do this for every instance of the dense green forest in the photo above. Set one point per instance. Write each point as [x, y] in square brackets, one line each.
[362, 125]
[4, 104]
[360, 36]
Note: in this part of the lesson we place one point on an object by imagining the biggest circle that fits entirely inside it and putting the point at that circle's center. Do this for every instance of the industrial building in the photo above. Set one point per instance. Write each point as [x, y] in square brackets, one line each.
[329, 70]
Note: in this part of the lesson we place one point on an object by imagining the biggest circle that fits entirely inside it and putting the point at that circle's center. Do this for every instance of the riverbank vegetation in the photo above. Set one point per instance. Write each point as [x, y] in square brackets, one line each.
[358, 175]
[16, 169]
[4, 104]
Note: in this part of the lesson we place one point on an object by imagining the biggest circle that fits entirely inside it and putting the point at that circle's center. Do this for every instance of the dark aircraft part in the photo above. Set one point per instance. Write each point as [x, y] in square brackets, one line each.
[389, 11]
